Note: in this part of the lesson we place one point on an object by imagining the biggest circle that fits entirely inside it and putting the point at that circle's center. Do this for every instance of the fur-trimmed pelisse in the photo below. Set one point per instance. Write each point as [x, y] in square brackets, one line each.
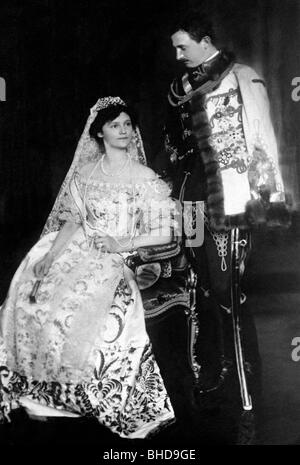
[205, 158]
[257, 212]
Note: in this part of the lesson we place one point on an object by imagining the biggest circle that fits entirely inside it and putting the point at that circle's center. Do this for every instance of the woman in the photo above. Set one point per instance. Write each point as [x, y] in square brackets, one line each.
[73, 339]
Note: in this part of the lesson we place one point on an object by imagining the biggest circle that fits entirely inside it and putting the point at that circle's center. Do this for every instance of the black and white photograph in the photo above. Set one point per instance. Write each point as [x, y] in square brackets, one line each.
[149, 228]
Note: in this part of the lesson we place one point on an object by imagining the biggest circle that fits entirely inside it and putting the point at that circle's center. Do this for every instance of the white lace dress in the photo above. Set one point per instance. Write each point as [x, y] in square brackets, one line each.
[82, 347]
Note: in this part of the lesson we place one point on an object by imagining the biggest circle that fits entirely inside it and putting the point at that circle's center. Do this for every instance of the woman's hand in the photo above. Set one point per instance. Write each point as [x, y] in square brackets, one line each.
[107, 244]
[42, 267]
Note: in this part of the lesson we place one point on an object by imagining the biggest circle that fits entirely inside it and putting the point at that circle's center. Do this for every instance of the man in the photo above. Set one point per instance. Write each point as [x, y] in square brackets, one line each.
[224, 158]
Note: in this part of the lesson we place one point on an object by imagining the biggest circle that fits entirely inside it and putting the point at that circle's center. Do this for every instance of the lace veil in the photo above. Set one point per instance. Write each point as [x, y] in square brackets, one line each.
[87, 151]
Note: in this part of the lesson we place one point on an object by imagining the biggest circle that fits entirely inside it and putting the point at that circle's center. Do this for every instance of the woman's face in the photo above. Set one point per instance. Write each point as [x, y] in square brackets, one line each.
[118, 132]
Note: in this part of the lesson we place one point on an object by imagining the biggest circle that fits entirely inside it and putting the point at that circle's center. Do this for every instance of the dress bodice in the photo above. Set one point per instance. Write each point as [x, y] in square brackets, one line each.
[112, 208]
[119, 209]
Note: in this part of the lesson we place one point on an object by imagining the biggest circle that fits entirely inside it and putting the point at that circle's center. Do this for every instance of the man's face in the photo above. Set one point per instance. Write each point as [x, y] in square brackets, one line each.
[188, 51]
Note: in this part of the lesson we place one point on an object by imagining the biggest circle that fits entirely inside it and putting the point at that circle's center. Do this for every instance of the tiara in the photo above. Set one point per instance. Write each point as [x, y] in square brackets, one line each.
[105, 102]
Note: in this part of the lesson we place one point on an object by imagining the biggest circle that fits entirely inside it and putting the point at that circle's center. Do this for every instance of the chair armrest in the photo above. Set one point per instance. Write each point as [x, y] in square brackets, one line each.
[156, 253]
[159, 252]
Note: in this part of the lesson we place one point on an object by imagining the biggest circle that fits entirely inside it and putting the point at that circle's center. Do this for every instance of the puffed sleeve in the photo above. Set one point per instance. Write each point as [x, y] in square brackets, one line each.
[159, 210]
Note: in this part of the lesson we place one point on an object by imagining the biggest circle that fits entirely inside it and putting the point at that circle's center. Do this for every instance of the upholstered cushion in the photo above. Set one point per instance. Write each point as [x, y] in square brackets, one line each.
[162, 275]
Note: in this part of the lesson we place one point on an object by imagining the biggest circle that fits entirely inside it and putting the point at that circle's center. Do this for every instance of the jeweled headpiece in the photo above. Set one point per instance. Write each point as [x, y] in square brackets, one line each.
[107, 101]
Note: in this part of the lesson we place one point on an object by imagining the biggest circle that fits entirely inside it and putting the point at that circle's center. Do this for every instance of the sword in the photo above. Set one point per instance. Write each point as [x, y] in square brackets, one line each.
[236, 243]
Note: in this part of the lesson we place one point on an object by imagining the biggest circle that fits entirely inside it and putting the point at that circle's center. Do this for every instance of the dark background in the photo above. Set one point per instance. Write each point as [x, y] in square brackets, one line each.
[58, 57]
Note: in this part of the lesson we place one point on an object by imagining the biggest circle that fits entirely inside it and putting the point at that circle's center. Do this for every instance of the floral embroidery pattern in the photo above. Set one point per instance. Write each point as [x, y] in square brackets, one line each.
[227, 130]
[262, 172]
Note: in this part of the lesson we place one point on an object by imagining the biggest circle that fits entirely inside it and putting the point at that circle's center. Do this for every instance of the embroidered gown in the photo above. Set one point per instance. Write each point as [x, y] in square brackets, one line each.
[83, 347]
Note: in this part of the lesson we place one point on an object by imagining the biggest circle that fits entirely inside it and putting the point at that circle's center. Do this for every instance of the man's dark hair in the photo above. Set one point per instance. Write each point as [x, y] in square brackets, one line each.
[197, 25]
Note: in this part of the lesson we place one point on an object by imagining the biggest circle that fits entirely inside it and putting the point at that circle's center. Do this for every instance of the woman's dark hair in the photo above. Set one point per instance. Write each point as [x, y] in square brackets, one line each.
[109, 114]
[197, 25]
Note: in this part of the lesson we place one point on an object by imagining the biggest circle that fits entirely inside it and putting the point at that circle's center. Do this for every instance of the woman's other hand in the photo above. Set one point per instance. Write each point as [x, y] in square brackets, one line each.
[42, 267]
[107, 244]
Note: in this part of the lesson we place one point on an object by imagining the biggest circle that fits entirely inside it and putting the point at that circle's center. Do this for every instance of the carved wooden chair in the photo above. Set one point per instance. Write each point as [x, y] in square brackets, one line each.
[174, 290]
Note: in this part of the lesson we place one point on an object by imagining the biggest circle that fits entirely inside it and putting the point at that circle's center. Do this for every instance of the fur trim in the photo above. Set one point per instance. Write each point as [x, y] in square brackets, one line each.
[214, 187]
[202, 132]
[278, 215]
[259, 213]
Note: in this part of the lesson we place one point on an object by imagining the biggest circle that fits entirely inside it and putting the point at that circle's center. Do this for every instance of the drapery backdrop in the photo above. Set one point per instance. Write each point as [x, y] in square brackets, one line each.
[58, 56]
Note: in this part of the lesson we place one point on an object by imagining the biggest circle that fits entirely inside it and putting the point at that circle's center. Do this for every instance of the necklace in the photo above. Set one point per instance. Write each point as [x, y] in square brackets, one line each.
[133, 227]
[119, 171]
